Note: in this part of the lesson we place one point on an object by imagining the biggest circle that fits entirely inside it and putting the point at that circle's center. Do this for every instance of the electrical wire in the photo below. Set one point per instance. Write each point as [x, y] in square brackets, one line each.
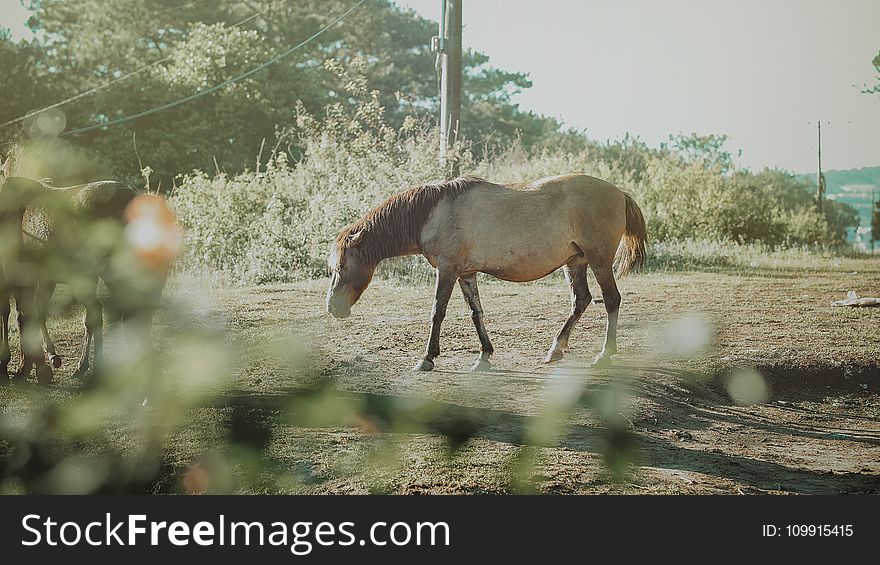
[126, 76]
[216, 87]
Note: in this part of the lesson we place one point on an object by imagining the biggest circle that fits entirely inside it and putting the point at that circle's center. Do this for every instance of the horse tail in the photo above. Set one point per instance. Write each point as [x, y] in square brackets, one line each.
[631, 252]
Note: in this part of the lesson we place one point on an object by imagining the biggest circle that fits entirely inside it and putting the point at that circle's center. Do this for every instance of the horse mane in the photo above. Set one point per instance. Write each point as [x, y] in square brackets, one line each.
[393, 227]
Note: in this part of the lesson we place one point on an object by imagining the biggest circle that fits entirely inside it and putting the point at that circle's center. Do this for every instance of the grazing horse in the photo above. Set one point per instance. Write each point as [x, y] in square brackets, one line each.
[515, 233]
[15, 195]
[69, 236]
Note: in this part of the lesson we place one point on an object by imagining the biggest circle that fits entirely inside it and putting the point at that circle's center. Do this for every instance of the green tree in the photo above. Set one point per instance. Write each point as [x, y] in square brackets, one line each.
[89, 42]
[707, 150]
[876, 87]
[26, 78]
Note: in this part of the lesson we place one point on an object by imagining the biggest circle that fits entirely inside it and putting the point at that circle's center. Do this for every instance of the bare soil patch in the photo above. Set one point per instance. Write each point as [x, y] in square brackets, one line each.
[817, 433]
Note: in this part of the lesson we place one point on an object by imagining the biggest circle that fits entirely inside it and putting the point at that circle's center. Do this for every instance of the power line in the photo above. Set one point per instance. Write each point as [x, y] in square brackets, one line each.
[117, 80]
[181, 7]
[214, 88]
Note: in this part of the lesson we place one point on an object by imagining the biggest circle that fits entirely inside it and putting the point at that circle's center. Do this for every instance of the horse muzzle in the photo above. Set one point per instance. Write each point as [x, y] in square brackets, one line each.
[338, 312]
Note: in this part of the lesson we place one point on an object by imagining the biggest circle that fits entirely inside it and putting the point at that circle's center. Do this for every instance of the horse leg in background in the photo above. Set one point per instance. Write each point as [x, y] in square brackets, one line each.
[442, 293]
[93, 320]
[44, 294]
[605, 278]
[576, 275]
[31, 318]
[95, 324]
[5, 353]
[468, 286]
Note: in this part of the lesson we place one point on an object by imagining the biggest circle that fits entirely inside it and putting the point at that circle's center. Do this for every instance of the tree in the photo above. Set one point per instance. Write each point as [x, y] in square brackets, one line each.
[195, 46]
[707, 150]
[26, 81]
[875, 88]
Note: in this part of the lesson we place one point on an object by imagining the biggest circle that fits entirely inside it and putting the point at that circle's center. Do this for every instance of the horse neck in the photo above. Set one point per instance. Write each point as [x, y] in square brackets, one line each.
[393, 235]
[381, 245]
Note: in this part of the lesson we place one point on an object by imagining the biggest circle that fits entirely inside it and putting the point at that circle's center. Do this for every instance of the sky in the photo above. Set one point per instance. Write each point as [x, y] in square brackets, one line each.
[13, 17]
[760, 71]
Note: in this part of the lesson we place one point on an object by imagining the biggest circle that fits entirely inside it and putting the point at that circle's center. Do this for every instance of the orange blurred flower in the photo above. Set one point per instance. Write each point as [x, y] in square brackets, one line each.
[152, 231]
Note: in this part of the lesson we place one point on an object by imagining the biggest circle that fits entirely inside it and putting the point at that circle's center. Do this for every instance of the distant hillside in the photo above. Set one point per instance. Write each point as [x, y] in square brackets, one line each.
[854, 187]
[835, 180]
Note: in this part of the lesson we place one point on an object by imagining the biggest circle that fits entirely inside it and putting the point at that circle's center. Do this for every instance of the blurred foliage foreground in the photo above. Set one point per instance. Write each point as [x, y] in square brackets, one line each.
[198, 432]
[360, 132]
[114, 429]
[101, 439]
[275, 223]
[74, 236]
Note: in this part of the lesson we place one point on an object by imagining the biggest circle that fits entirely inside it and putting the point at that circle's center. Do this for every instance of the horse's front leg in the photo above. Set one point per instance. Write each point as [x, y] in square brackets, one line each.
[442, 293]
[93, 323]
[5, 353]
[44, 295]
[31, 316]
[468, 286]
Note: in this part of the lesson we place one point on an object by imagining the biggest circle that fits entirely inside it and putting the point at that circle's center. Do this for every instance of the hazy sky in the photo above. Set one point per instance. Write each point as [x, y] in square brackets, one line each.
[760, 71]
[13, 16]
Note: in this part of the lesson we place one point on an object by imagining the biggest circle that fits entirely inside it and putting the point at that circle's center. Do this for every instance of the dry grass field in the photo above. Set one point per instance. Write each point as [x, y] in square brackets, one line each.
[526, 426]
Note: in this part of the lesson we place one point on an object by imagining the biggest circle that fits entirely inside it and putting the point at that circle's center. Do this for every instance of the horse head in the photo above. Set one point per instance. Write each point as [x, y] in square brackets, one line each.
[351, 270]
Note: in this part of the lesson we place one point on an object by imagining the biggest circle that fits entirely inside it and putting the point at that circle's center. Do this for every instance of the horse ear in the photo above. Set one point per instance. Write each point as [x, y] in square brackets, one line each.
[355, 239]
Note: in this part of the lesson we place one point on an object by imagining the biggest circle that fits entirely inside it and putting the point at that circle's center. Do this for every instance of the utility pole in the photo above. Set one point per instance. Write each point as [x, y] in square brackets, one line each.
[448, 46]
[820, 178]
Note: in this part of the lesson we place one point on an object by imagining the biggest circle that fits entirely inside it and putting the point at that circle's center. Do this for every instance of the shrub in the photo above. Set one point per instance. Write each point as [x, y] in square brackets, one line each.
[276, 223]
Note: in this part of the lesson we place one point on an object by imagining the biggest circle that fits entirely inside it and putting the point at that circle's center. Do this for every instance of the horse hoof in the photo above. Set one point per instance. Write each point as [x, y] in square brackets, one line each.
[602, 362]
[481, 365]
[56, 361]
[553, 355]
[424, 365]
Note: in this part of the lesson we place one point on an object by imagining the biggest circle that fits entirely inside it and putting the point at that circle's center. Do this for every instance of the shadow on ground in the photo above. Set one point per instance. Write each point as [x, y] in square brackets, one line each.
[679, 402]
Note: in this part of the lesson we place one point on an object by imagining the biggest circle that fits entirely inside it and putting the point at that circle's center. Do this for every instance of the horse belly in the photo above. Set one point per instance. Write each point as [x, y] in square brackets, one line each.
[522, 265]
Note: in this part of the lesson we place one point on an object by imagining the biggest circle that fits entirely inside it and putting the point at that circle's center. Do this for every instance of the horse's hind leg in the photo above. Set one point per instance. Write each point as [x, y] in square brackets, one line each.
[31, 317]
[93, 320]
[45, 293]
[610, 294]
[5, 353]
[468, 286]
[442, 294]
[576, 275]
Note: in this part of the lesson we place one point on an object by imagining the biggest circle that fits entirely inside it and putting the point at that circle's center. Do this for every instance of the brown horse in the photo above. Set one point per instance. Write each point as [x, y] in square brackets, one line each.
[74, 235]
[60, 235]
[15, 195]
[515, 233]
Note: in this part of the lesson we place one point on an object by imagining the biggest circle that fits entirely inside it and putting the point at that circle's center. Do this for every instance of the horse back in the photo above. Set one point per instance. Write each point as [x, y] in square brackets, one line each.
[59, 216]
[524, 232]
[102, 199]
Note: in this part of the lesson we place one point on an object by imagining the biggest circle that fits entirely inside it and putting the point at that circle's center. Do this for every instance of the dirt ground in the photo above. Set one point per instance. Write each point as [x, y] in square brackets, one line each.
[818, 431]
